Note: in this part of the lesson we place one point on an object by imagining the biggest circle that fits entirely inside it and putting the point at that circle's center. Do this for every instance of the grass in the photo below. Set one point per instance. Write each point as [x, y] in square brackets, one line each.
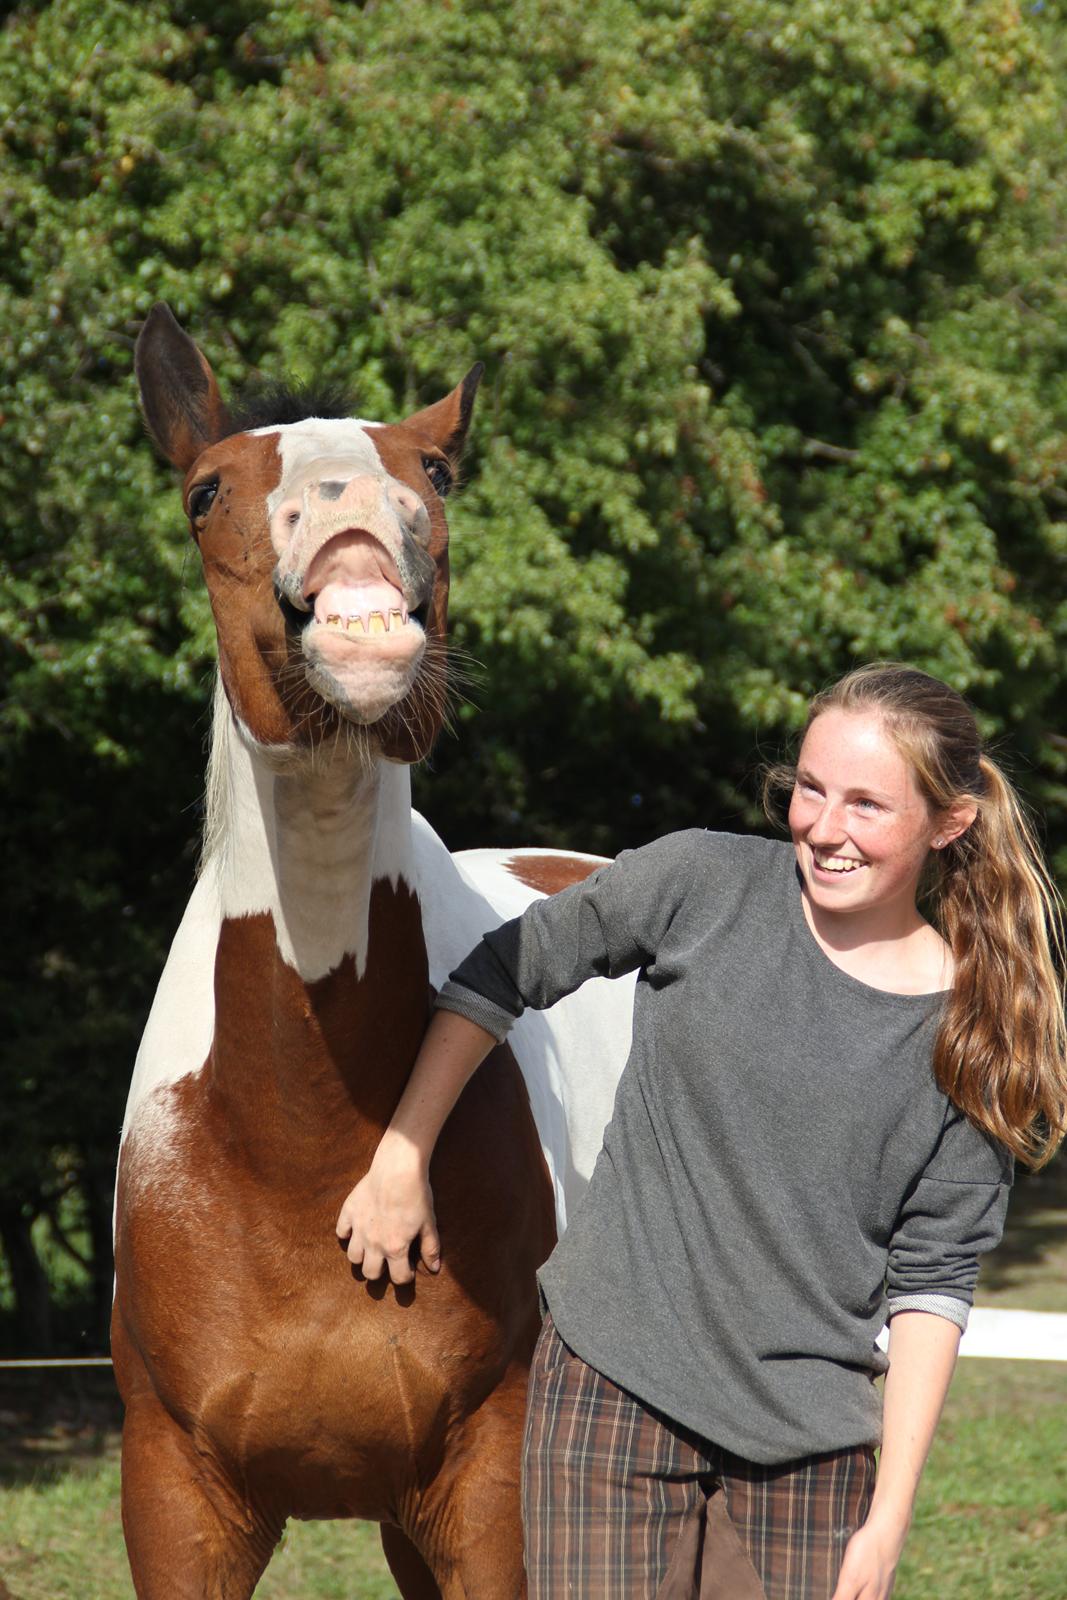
[1028, 1271]
[991, 1521]
[61, 1539]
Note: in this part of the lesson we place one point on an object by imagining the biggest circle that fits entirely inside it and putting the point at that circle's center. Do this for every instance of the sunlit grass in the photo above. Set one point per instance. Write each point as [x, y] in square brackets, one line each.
[991, 1521]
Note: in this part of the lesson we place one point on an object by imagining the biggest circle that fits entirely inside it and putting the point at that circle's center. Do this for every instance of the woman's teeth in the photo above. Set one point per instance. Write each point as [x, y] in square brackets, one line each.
[837, 863]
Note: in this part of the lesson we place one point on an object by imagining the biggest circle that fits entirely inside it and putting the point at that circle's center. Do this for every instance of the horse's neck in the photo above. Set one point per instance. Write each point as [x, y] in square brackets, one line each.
[306, 841]
[320, 978]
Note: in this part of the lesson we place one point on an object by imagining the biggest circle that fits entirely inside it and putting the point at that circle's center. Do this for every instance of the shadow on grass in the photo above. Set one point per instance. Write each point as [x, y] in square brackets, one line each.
[54, 1422]
[1036, 1228]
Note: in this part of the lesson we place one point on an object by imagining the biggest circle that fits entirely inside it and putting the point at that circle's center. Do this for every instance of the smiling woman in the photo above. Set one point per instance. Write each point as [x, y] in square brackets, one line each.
[813, 1132]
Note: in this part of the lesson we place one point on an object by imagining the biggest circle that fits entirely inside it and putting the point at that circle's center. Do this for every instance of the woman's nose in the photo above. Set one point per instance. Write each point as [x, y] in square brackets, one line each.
[827, 826]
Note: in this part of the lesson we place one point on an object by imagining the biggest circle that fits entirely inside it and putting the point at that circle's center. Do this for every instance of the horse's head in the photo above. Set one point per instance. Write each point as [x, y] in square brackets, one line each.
[325, 550]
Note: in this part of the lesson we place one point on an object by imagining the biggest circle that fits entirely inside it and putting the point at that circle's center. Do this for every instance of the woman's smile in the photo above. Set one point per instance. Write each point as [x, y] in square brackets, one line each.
[836, 864]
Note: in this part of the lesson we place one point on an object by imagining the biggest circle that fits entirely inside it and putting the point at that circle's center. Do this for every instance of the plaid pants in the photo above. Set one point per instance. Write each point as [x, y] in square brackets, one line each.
[619, 1501]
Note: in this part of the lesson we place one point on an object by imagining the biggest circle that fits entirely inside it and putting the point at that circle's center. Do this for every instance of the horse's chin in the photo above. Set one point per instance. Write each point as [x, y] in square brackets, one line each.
[363, 679]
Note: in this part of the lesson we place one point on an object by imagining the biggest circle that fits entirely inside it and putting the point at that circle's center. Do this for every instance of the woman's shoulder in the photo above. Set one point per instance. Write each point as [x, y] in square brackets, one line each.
[702, 854]
[708, 844]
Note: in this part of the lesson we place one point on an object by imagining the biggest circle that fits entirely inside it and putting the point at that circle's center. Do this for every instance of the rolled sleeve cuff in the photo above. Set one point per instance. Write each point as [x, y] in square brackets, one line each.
[476, 1008]
[938, 1305]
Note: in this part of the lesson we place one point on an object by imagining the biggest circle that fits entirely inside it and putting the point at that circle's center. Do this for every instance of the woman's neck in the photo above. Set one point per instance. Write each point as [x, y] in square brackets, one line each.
[891, 947]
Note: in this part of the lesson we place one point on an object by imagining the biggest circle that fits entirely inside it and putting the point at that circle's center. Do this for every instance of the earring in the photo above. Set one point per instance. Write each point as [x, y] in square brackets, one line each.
[939, 844]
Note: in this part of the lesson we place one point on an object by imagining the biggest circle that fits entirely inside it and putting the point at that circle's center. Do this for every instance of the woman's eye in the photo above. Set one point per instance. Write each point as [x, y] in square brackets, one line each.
[868, 805]
[439, 473]
[200, 499]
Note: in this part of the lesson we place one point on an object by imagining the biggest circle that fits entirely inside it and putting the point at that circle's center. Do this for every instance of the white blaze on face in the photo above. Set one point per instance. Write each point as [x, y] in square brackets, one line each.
[305, 447]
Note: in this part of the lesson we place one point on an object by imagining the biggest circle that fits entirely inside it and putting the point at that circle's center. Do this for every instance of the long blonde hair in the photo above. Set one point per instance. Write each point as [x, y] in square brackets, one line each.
[1001, 1049]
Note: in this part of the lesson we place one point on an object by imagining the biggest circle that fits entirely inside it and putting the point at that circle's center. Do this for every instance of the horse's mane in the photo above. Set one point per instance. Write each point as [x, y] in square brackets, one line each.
[272, 404]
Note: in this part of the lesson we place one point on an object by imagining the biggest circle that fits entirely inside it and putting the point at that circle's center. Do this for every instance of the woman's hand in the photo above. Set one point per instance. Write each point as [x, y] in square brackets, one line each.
[388, 1212]
[391, 1209]
[869, 1568]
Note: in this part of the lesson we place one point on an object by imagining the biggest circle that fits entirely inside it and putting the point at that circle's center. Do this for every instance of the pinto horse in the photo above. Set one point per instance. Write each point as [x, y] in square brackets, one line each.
[262, 1378]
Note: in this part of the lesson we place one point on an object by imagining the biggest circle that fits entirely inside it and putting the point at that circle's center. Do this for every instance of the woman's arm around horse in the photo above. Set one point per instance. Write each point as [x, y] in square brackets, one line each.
[392, 1207]
[607, 925]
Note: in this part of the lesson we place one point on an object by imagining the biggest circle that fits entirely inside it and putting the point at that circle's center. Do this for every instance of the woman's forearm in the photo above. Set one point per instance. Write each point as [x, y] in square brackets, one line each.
[922, 1357]
[448, 1057]
[389, 1217]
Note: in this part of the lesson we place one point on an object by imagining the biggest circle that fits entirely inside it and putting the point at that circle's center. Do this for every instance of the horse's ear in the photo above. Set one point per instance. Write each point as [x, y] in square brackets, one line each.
[179, 396]
[447, 421]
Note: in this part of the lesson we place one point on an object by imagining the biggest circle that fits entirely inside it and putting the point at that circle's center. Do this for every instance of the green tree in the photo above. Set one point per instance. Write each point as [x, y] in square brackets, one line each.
[771, 302]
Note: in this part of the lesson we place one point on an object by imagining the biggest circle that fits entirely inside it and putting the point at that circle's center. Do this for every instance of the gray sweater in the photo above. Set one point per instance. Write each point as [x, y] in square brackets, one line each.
[779, 1163]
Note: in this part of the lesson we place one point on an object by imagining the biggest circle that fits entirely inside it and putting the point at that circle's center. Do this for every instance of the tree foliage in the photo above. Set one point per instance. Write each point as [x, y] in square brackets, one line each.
[771, 298]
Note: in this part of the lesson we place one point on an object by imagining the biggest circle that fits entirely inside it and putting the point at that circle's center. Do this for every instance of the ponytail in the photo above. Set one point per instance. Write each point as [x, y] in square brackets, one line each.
[1001, 1048]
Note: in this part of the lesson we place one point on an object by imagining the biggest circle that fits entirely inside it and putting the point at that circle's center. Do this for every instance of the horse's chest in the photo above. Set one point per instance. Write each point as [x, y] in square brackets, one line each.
[259, 1337]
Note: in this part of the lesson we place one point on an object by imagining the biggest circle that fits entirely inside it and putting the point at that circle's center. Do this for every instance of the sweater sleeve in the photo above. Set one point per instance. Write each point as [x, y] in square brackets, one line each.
[609, 924]
[952, 1215]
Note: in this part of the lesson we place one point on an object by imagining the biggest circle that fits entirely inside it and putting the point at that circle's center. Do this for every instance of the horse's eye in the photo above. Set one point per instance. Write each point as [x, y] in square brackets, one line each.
[439, 473]
[200, 499]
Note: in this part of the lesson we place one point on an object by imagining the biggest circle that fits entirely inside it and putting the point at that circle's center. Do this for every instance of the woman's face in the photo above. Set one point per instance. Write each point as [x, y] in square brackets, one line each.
[861, 828]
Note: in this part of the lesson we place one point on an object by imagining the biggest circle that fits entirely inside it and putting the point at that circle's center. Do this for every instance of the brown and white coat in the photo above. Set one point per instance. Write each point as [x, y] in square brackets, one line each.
[263, 1380]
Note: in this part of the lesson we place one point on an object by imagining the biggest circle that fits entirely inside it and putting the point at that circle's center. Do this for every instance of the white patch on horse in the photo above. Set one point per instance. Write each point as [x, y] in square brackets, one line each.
[572, 1055]
[148, 1139]
[335, 829]
[181, 1023]
[304, 839]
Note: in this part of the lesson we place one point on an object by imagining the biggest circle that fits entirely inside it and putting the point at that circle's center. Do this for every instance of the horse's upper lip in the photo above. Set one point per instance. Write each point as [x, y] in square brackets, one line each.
[352, 558]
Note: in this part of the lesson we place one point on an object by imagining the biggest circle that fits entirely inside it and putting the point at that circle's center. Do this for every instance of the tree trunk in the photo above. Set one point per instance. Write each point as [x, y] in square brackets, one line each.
[99, 1193]
[33, 1304]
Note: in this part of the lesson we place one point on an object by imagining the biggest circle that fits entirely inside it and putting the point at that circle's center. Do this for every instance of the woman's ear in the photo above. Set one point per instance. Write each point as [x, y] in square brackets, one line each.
[954, 823]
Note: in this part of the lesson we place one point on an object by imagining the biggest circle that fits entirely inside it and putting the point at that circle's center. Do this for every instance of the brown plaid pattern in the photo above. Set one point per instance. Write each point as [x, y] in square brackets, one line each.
[621, 1502]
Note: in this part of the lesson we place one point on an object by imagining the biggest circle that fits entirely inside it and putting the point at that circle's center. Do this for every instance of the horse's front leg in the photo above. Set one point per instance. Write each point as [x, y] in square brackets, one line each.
[188, 1535]
[410, 1573]
[469, 1524]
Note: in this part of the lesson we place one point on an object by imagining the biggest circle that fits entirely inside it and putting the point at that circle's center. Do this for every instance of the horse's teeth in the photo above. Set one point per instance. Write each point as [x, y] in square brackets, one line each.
[377, 622]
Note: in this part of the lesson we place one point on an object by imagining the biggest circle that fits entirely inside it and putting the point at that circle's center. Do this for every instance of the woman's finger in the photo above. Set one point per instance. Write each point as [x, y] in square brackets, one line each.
[430, 1248]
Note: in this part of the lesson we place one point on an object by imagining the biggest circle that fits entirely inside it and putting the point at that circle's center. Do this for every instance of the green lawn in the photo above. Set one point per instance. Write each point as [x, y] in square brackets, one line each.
[61, 1539]
[991, 1522]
